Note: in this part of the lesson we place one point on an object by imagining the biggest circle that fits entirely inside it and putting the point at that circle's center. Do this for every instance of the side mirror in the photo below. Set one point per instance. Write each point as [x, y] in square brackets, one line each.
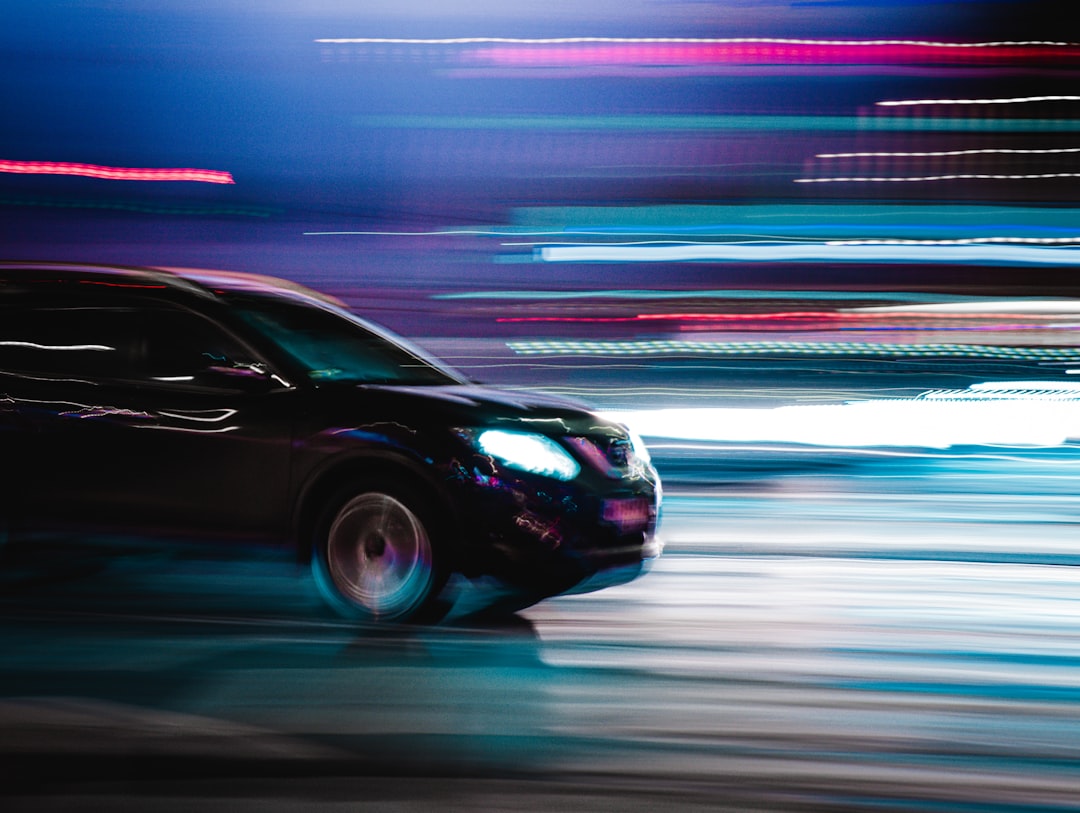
[250, 376]
[239, 370]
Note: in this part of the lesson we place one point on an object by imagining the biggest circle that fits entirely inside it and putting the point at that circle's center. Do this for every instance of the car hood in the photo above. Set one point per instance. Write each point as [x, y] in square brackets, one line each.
[474, 405]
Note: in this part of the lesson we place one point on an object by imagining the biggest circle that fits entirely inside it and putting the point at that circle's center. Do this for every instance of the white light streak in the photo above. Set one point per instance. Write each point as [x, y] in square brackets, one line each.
[722, 252]
[749, 239]
[978, 176]
[189, 430]
[949, 153]
[964, 241]
[1011, 100]
[1027, 306]
[201, 416]
[36, 346]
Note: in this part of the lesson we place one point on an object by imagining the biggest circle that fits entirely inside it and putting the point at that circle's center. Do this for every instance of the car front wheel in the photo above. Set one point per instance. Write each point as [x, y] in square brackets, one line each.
[374, 557]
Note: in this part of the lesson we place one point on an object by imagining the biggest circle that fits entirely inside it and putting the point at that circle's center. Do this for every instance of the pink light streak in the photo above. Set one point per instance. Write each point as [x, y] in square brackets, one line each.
[766, 53]
[785, 317]
[114, 173]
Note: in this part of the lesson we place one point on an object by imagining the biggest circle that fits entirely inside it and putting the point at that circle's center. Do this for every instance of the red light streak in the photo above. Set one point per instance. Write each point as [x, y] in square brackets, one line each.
[697, 317]
[792, 316]
[114, 173]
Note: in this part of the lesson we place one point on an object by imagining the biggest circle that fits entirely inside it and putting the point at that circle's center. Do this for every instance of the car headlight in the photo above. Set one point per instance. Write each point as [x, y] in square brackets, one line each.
[529, 452]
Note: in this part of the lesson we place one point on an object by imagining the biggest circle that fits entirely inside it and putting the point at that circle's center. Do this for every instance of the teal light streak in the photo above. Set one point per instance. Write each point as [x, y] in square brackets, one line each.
[829, 218]
[820, 221]
[883, 123]
[998, 254]
[865, 349]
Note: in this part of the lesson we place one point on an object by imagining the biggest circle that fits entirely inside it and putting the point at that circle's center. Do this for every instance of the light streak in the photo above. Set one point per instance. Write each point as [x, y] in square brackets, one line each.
[985, 307]
[724, 230]
[720, 447]
[705, 122]
[669, 347]
[624, 122]
[651, 219]
[831, 319]
[973, 176]
[948, 153]
[651, 294]
[689, 51]
[201, 416]
[984, 254]
[36, 346]
[105, 412]
[1012, 100]
[492, 232]
[757, 230]
[114, 173]
[964, 241]
[746, 239]
[188, 429]
[702, 40]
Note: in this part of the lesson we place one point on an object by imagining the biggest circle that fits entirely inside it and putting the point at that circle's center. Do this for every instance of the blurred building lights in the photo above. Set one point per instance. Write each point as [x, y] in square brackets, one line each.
[1025, 414]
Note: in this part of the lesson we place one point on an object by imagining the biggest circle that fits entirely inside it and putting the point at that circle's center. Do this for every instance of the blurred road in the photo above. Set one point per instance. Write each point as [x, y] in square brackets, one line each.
[815, 638]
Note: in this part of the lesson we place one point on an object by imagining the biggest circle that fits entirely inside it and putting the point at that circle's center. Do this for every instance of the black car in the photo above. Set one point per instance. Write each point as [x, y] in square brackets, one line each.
[146, 402]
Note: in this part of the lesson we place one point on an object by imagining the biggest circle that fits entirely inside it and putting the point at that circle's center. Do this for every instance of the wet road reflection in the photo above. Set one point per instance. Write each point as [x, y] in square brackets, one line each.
[824, 643]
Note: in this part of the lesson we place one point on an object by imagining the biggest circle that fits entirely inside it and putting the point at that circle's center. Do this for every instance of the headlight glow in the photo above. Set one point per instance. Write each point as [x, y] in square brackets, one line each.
[529, 452]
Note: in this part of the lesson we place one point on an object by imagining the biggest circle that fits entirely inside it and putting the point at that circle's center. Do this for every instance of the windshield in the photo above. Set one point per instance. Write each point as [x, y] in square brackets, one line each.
[335, 345]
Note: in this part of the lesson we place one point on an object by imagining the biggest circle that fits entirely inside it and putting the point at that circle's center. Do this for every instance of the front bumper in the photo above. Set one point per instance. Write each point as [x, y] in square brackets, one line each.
[614, 575]
[548, 538]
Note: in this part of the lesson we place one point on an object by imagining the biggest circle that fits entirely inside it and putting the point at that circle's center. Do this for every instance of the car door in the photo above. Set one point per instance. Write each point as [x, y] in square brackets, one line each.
[143, 417]
[214, 454]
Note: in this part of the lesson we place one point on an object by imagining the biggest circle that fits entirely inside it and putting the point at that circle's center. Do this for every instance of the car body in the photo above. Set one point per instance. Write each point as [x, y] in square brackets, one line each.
[211, 405]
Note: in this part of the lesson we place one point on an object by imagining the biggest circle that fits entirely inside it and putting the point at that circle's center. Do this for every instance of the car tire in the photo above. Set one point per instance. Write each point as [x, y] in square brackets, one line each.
[376, 555]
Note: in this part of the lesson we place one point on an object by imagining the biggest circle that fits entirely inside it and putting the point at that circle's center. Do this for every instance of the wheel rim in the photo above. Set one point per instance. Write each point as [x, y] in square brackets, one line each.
[379, 555]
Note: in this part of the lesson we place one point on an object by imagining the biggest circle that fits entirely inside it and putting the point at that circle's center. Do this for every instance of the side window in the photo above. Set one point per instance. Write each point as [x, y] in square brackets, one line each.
[62, 332]
[182, 347]
[67, 341]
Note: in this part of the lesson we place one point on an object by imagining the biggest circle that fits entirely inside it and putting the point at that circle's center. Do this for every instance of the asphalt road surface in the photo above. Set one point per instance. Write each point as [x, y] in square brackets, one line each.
[847, 638]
